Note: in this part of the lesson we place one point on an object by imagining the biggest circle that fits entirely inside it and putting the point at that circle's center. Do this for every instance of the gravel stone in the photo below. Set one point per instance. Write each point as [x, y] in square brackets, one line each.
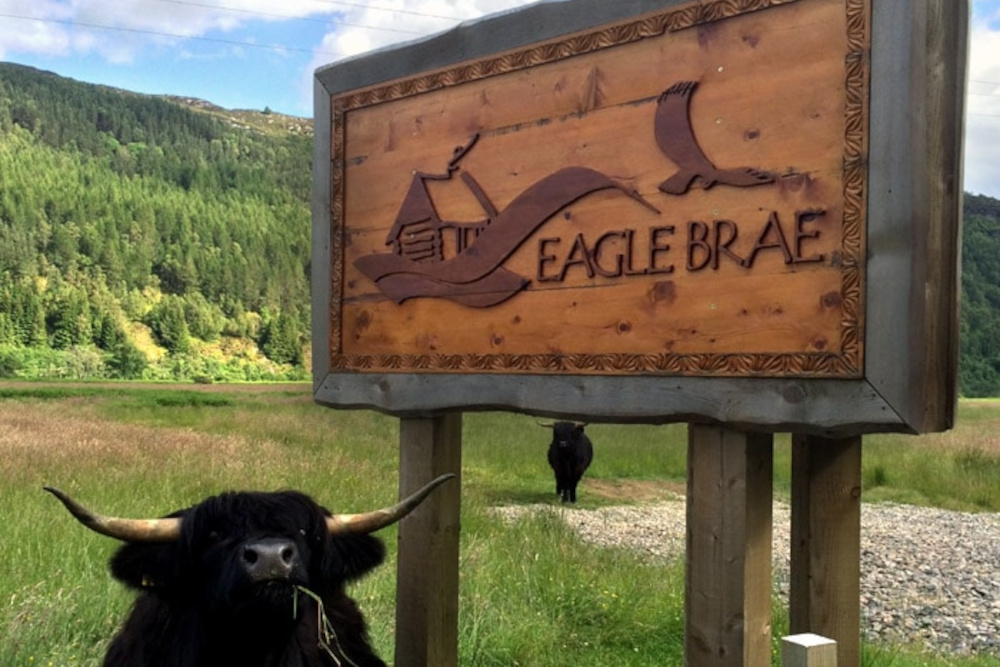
[929, 577]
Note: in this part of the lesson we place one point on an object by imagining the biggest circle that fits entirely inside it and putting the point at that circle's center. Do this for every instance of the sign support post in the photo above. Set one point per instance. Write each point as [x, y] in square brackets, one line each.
[826, 542]
[728, 576]
[427, 562]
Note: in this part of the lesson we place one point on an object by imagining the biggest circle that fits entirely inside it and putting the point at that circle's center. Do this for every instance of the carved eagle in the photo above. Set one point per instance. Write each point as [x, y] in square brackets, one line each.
[675, 137]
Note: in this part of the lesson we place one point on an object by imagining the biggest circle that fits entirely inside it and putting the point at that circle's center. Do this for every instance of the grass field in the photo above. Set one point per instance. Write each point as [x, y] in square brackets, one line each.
[532, 594]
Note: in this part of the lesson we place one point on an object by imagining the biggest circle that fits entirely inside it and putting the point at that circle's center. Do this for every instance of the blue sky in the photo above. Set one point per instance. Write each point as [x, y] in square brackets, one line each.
[235, 53]
[253, 54]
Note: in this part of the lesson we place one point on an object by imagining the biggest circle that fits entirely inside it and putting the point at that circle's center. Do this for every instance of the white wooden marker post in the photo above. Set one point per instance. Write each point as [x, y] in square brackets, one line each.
[808, 650]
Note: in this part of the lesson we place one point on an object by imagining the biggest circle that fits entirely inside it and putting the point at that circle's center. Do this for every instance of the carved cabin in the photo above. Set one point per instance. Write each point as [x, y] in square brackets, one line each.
[417, 233]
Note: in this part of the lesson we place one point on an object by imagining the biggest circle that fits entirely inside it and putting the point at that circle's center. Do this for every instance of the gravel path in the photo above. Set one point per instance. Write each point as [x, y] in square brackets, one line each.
[927, 576]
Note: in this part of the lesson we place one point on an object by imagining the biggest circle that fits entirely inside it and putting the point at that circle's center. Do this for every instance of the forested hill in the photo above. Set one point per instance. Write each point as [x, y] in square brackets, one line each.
[149, 237]
[167, 238]
[979, 370]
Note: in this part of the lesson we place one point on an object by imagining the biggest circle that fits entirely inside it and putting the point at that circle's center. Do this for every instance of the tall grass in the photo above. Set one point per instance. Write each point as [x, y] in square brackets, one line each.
[531, 592]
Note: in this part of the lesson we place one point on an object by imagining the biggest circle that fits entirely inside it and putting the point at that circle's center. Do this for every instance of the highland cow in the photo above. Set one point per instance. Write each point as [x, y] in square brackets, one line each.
[570, 454]
[245, 578]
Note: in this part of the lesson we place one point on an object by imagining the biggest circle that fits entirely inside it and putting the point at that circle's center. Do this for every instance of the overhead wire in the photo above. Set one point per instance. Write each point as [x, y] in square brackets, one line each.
[994, 93]
[156, 33]
[231, 42]
[289, 17]
[343, 3]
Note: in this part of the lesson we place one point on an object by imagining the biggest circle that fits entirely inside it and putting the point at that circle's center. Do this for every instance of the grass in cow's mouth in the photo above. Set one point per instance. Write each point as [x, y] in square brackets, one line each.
[327, 635]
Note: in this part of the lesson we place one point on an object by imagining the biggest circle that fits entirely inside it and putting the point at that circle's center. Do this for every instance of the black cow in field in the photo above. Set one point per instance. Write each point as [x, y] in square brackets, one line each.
[246, 579]
[570, 455]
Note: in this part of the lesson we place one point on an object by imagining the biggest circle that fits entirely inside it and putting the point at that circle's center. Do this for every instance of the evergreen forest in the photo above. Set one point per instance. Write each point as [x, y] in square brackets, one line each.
[156, 238]
[979, 359]
[144, 238]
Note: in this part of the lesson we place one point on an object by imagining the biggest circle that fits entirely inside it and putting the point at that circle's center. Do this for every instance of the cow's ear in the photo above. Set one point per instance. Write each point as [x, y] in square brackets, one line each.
[352, 556]
[145, 566]
[579, 428]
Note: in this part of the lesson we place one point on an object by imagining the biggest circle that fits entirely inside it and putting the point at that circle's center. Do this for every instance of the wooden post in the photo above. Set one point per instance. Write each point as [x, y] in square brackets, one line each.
[808, 650]
[427, 569]
[728, 578]
[825, 594]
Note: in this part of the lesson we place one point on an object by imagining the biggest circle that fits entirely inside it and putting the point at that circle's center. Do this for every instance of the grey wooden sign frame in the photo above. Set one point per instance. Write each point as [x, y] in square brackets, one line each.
[914, 195]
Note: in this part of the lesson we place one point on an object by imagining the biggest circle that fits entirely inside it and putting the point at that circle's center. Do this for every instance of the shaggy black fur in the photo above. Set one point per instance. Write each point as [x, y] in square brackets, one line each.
[198, 605]
[570, 454]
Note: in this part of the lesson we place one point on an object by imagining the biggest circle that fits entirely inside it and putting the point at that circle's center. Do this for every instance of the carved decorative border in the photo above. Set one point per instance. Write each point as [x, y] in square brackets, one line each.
[848, 363]
[799, 364]
[857, 66]
[616, 35]
[336, 231]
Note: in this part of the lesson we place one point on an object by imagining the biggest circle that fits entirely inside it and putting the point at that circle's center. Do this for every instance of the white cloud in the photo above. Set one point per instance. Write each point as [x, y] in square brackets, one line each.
[66, 27]
[49, 27]
[367, 28]
[393, 21]
[26, 34]
[982, 145]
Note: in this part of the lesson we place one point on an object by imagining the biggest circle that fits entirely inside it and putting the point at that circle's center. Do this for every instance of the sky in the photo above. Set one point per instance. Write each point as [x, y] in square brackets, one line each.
[257, 54]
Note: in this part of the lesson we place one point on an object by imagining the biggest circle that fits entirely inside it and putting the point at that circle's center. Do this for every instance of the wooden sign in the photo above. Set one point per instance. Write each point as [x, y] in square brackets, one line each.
[659, 196]
[573, 191]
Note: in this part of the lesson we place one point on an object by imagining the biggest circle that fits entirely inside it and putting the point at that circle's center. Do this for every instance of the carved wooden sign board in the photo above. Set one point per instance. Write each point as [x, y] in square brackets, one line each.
[656, 199]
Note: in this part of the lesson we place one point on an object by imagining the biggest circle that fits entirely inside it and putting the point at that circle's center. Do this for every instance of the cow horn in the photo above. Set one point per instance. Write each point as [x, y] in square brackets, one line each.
[369, 522]
[546, 425]
[128, 530]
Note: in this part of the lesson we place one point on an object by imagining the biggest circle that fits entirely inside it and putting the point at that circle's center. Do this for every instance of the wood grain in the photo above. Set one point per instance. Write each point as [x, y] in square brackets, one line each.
[728, 574]
[826, 542]
[427, 561]
[596, 108]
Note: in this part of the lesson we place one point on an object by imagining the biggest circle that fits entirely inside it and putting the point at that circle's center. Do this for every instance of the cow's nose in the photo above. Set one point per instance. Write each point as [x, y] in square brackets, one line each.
[268, 559]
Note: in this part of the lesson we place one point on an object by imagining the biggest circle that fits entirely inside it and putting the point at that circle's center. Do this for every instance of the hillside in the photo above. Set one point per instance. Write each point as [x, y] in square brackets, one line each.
[149, 237]
[168, 238]
[263, 121]
[979, 367]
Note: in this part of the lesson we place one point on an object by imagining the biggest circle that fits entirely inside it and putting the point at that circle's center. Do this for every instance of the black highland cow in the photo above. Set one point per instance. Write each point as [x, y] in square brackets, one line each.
[570, 454]
[245, 578]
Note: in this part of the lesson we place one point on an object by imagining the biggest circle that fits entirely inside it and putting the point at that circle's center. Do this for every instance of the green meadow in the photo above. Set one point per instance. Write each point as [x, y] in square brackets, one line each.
[532, 593]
